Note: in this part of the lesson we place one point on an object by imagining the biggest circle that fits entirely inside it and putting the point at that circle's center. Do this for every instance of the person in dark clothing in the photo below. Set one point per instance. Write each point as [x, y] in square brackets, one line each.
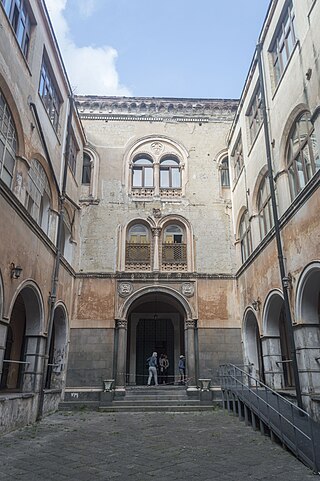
[182, 369]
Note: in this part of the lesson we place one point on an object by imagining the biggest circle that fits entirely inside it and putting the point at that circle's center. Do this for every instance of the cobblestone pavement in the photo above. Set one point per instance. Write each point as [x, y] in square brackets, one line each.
[91, 446]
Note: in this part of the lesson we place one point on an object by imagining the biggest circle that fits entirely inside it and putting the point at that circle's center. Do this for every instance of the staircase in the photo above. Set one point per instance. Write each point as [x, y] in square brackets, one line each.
[157, 399]
[142, 399]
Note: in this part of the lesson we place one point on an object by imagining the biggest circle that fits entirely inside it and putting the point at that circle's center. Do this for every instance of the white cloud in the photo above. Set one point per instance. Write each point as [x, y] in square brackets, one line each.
[86, 7]
[91, 70]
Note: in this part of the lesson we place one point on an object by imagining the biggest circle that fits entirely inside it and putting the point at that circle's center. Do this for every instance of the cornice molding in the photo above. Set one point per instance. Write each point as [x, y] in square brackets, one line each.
[133, 109]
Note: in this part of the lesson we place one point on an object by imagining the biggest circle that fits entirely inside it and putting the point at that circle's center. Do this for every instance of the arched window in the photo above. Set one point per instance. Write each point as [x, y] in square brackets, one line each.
[138, 249]
[264, 207]
[86, 169]
[174, 249]
[245, 236]
[8, 142]
[38, 195]
[224, 172]
[170, 176]
[142, 172]
[302, 154]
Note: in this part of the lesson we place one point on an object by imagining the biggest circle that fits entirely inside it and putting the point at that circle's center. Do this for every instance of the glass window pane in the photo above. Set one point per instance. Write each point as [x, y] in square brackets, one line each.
[164, 178]
[137, 178]
[169, 162]
[148, 177]
[175, 178]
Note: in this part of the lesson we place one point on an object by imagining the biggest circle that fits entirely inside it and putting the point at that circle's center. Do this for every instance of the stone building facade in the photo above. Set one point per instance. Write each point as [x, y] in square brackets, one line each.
[289, 77]
[40, 137]
[137, 224]
[156, 258]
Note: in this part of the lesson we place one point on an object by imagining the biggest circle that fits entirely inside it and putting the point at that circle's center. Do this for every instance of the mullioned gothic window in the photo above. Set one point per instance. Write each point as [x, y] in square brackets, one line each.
[302, 154]
[156, 169]
[8, 142]
[162, 248]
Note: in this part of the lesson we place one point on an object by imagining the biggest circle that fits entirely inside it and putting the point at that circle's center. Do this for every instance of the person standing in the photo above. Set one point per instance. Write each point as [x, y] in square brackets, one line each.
[182, 369]
[163, 365]
[153, 364]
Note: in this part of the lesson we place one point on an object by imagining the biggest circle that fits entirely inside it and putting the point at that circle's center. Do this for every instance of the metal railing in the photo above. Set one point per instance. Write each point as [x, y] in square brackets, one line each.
[174, 253]
[137, 253]
[293, 426]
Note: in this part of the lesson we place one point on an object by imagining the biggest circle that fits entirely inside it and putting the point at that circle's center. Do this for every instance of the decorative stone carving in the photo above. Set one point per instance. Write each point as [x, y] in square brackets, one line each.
[156, 231]
[157, 148]
[121, 323]
[156, 213]
[187, 289]
[125, 289]
[190, 324]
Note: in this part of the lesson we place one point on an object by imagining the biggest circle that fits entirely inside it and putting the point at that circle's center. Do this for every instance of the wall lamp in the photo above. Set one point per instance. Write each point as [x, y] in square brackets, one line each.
[15, 271]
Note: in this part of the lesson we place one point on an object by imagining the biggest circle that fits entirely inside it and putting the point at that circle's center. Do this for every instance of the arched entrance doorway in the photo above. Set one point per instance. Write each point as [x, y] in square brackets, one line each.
[24, 343]
[154, 318]
[155, 323]
[252, 345]
[276, 348]
[308, 327]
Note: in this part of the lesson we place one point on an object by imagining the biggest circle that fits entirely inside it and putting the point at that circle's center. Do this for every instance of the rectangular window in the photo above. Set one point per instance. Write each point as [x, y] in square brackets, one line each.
[254, 114]
[49, 94]
[237, 158]
[18, 15]
[72, 154]
[283, 42]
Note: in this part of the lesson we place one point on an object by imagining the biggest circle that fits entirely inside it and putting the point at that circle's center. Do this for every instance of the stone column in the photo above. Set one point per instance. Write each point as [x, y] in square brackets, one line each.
[121, 354]
[190, 326]
[156, 234]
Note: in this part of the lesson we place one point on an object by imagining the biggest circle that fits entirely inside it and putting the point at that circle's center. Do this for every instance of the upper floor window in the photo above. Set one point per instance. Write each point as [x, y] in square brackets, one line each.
[254, 114]
[174, 249]
[138, 248]
[86, 169]
[38, 195]
[142, 172]
[302, 154]
[283, 42]
[170, 173]
[19, 18]
[72, 154]
[265, 207]
[245, 236]
[237, 155]
[8, 142]
[49, 94]
[224, 172]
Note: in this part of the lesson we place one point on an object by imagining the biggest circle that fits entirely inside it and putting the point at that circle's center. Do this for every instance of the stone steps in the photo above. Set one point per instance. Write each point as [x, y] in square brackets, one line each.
[146, 399]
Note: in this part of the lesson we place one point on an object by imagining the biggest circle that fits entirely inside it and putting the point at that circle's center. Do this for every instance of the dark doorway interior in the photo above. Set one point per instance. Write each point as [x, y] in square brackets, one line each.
[153, 335]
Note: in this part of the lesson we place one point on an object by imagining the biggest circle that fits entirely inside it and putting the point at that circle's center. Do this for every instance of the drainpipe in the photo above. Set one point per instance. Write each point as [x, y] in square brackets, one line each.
[283, 274]
[56, 269]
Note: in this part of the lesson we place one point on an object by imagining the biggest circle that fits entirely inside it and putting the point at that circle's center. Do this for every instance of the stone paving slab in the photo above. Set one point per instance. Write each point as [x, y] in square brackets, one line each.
[91, 446]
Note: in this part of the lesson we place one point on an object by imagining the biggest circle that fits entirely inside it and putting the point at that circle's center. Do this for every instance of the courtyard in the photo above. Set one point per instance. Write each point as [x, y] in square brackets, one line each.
[86, 445]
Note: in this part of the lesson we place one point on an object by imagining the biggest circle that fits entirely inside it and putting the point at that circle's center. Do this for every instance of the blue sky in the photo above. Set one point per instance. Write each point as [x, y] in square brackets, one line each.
[172, 48]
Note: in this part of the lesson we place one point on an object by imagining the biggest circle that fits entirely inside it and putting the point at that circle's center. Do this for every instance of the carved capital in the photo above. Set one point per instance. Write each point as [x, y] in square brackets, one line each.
[156, 231]
[121, 323]
[190, 323]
